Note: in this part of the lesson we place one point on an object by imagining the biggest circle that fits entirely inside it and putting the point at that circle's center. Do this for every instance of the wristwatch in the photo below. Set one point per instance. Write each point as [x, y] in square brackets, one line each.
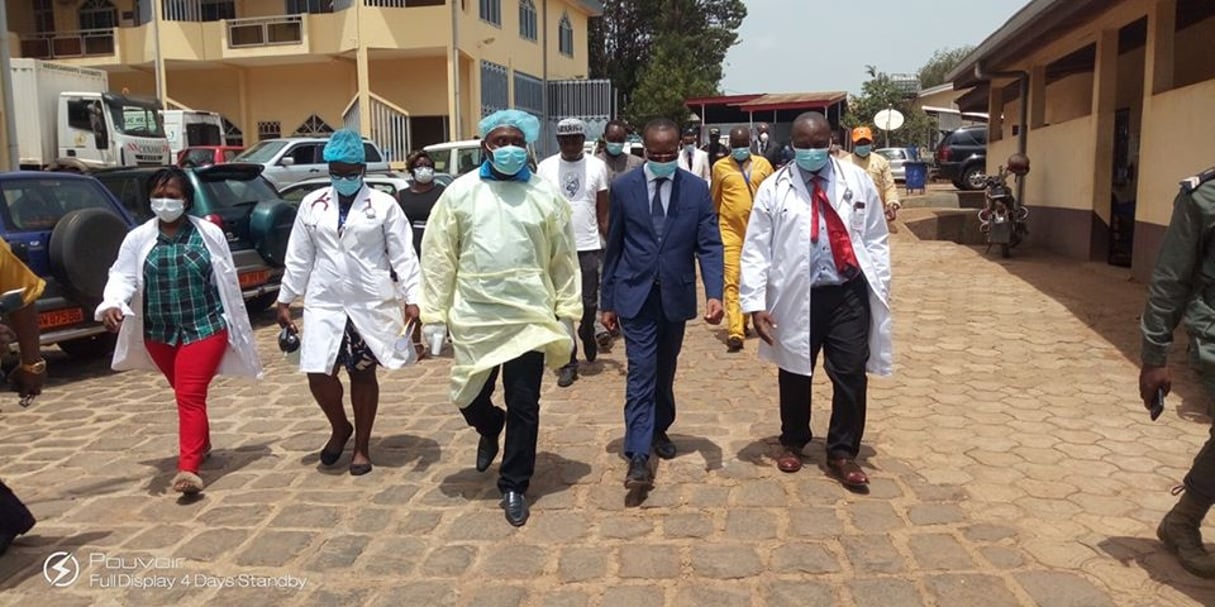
[37, 367]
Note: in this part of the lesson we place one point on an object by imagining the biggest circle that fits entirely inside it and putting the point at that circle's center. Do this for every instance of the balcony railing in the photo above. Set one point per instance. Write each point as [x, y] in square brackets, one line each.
[402, 3]
[69, 45]
[265, 31]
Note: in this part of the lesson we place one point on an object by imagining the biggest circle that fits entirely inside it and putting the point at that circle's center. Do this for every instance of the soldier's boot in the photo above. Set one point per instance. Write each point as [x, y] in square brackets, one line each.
[1179, 531]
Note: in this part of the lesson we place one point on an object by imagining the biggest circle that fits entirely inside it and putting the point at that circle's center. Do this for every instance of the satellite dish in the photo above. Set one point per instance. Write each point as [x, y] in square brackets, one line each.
[888, 120]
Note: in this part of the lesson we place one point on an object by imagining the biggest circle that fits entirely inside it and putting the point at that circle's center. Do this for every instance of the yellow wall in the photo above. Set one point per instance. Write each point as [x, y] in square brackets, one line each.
[1060, 175]
[1178, 140]
[416, 85]
[1071, 97]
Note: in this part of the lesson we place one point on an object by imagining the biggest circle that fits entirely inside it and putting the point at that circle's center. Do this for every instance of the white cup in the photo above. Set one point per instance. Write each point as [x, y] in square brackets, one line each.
[436, 344]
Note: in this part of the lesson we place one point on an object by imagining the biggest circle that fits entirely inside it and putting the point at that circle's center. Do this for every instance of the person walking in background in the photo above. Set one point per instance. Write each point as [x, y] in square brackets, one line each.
[347, 242]
[421, 196]
[618, 160]
[660, 223]
[1181, 287]
[175, 301]
[693, 159]
[816, 277]
[583, 180]
[878, 169]
[715, 148]
[735, 180]
[500, 268]
[28, 378]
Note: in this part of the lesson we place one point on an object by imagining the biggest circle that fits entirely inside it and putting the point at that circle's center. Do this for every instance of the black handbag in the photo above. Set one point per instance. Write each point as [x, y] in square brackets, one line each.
[15, 518]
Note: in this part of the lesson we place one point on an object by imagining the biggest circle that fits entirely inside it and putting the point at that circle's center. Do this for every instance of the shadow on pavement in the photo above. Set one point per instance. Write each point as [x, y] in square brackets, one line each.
[684, 445]
[554, 474]
[1150, 556]
[221, 463]
[388, 451]
[1104, 299]
[26, 556]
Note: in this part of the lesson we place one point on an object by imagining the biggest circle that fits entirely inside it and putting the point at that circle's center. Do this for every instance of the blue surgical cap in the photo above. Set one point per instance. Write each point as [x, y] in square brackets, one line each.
[515, 118]
[345, 146]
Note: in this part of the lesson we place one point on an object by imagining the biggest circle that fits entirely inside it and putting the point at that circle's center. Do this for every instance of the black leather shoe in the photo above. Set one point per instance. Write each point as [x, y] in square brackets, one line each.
[663, 446]
[487, 450]
[515, 506]
[567, 377]
[734, 344]
[639, 476]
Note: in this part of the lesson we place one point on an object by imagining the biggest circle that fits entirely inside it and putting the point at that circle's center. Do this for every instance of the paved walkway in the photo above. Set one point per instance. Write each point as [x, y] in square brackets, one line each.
[1011, 462]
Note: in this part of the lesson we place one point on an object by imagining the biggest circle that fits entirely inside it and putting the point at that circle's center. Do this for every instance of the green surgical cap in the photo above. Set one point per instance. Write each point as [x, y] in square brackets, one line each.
[345, 146]
[514, 118]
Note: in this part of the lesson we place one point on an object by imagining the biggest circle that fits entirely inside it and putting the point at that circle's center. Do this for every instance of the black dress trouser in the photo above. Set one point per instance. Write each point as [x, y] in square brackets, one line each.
[521, 380]
[839, 327]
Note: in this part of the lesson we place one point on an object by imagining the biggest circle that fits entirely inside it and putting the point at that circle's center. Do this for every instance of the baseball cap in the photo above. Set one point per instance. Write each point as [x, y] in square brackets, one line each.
[861, 132]
[571, 126]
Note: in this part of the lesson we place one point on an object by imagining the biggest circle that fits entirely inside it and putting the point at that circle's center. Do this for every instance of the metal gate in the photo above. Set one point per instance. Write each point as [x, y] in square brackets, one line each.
[591, 101]
[495, 88]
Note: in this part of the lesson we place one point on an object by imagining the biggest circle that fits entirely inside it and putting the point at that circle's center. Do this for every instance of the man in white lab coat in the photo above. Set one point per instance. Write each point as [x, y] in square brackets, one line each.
[347, 241]
[693, 159]
[816, 277]
[501, 271]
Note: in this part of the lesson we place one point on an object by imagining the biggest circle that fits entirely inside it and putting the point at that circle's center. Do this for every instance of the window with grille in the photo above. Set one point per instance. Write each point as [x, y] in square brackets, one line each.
[314, 126]
[233, 134]
[491, 11]
[565, 36]
[527, 20]
[529, 93]
[269, 130]
[98, 15]
[44, 16]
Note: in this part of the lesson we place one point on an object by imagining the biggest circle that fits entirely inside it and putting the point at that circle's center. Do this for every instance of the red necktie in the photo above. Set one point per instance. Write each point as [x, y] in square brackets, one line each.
[841, 243]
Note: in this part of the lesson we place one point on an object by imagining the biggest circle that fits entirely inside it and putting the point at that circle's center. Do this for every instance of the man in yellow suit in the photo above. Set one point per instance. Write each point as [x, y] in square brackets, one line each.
[878, 169]
[735, 180]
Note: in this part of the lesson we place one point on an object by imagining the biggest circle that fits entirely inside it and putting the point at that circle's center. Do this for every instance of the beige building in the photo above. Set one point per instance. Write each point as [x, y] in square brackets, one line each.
[283, 67]
[1121, 107]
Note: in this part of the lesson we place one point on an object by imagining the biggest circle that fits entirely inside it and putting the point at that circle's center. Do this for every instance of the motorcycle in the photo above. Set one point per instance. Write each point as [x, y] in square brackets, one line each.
[1004, 219]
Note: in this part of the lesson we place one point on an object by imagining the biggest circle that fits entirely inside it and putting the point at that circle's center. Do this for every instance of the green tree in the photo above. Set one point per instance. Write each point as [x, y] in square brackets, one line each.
[659, 52]
[879, 93]
[942, 62]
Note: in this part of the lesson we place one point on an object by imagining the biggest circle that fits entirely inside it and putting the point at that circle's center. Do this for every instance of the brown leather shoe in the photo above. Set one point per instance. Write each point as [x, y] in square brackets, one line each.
[849, 473]
[789, 460]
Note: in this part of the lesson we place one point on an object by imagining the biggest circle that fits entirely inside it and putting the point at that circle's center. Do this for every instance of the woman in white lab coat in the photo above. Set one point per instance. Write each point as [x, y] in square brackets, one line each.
[347, 242]
[175, 301]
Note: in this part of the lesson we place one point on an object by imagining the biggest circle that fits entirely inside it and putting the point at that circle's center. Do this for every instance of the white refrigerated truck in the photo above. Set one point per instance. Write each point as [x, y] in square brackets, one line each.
[68, 120]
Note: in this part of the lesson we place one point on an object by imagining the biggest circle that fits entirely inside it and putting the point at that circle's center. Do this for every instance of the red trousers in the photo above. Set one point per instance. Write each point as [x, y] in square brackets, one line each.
[190, 369]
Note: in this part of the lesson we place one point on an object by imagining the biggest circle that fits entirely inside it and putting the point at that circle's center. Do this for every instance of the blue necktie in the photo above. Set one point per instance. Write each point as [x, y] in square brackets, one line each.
[657, 215]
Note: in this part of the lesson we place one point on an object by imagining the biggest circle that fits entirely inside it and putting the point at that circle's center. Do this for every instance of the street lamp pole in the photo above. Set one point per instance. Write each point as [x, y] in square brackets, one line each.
[6, 83]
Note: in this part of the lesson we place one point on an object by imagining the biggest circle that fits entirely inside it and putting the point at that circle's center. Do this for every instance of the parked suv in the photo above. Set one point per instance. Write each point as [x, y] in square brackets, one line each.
[962, 157]
[293, 159]
[67, 228]
[239, 200]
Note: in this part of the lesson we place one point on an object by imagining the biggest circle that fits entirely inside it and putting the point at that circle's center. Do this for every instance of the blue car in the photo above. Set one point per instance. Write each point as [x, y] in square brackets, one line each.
[67, 228]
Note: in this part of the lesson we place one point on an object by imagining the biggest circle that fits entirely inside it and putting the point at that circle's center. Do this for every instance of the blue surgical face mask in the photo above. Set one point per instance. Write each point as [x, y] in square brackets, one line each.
[347, 185]
[663, 169]
[812, 159]
[741, 154]
[689, 147]
[615, 149]
[863, 150]
[509, 159]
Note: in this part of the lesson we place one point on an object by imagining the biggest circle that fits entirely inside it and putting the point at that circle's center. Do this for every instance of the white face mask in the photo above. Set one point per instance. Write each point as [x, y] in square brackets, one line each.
[763, 137]
[424, 174]
[168, 210]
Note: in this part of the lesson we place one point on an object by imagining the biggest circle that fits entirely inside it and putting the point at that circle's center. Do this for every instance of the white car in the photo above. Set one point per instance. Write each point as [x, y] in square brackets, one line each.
[294, 159]
[460, 157]
[896, 156]
[389, 183]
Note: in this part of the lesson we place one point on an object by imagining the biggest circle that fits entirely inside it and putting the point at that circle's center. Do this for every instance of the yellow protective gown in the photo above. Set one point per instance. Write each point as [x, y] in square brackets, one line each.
[733, 192]
[499, 267]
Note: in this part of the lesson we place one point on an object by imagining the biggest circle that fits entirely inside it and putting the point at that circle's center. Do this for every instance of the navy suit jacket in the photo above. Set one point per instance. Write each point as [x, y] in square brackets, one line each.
[634, 259]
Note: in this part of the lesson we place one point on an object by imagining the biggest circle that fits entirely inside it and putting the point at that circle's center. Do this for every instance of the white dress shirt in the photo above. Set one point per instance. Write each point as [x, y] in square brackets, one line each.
[822, 261]
[651, 181]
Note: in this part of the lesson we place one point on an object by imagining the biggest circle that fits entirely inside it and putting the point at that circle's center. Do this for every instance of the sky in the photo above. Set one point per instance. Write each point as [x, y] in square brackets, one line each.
[782, 48]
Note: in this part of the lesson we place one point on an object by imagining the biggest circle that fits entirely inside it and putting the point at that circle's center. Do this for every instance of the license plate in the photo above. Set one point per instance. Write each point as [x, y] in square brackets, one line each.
[253, 279]
[60, 318]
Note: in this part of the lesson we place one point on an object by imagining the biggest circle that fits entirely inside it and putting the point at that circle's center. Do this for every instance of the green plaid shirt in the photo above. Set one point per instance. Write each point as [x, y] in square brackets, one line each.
[180, 301]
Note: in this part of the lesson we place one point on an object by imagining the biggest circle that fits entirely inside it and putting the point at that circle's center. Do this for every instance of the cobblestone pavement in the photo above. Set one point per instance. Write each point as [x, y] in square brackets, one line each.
[1011, 465]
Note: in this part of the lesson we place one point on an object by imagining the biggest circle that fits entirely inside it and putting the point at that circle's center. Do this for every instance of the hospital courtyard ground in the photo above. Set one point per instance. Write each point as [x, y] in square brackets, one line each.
[1011, 465]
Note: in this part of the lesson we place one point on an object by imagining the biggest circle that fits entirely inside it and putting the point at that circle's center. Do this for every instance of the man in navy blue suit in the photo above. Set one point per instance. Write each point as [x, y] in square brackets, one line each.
[660, 223]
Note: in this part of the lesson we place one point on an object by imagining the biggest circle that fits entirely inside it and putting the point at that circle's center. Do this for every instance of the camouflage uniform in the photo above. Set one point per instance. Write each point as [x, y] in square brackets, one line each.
[1183, 285]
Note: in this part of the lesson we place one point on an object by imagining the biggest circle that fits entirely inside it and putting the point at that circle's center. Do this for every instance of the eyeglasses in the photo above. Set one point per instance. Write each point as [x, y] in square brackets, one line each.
[350, 177]
[662, 157]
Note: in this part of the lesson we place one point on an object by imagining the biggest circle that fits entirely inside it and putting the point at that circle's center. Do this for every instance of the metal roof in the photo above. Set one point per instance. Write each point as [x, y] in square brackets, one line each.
[594, 7]
[792, 101]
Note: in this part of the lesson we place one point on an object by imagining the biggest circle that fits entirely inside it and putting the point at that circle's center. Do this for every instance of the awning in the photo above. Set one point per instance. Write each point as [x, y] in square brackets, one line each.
[793, 101]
